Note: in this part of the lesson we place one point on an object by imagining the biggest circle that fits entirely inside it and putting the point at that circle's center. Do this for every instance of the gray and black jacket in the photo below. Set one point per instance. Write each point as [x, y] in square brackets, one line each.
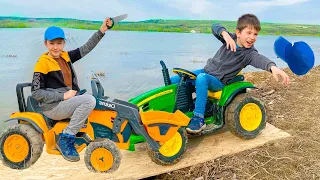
[48, 85]
[226, 64]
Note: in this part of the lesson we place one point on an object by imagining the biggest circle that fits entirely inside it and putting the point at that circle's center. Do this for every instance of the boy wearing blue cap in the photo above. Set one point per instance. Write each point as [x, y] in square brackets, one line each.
[235, 54]
[55, 85]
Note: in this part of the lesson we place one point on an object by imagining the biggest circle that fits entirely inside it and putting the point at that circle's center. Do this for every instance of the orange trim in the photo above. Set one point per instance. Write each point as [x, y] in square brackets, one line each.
[119, 135]
[123, 145]
[35, 117]
[152, 117]
[105, 118]
[57, 129]
[154, 133]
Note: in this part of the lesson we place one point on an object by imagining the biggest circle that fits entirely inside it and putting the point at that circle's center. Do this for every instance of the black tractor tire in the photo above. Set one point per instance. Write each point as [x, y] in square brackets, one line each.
[21, 146]
[160, 159]
[245, 116]
[98, 152]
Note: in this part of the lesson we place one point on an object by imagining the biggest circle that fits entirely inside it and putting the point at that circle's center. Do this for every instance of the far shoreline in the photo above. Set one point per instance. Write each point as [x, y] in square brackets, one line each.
[160, 25]
[260, 34]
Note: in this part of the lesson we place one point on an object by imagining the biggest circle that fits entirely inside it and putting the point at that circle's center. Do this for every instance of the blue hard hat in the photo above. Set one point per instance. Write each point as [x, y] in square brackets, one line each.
[299, 56]
[53, 32]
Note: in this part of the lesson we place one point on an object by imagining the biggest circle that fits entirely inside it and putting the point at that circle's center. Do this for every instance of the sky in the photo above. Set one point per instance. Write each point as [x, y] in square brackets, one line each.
[279, 11]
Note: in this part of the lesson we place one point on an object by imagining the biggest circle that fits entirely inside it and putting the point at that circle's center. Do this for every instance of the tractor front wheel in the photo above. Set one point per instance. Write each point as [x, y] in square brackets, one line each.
[170, 151]
[245, 116]
[102, 156]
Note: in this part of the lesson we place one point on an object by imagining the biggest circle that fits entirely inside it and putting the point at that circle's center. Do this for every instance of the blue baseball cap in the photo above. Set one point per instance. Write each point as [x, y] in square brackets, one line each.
[299, 56]
[53, 32]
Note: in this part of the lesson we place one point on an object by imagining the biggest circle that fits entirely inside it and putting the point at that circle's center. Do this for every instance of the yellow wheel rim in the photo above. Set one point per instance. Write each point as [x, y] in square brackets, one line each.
[101, 159]
[250, 117]
[16, 148]
[172, 146]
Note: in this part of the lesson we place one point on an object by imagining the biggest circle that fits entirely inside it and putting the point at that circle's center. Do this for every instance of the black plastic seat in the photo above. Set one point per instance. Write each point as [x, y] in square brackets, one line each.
[235, 79]
[33, 106]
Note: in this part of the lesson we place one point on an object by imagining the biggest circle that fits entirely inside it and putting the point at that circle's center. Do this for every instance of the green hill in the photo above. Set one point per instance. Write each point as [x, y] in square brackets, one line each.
[159, 25]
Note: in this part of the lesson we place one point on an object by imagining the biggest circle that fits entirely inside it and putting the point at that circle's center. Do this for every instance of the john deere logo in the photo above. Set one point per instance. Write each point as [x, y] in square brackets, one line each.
[109, 105]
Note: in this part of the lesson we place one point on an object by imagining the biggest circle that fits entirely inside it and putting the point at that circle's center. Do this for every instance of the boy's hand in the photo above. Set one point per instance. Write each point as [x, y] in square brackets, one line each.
[104, 27]
[69, 94]
[276, 71]
[229, 41]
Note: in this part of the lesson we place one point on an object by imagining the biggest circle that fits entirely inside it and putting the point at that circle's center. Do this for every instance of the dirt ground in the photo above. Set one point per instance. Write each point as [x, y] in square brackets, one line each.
[294, 109]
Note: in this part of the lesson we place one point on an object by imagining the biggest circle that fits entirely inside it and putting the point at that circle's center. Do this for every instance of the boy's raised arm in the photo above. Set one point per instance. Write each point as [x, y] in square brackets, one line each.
[224, 36]
[217, 29]
[78, 53]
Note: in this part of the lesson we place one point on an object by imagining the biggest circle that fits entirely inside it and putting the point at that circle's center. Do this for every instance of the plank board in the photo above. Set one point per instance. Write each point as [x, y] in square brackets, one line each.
[137, 165]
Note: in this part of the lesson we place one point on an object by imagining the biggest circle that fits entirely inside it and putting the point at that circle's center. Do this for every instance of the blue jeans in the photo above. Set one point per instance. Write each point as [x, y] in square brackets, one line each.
[203, 83]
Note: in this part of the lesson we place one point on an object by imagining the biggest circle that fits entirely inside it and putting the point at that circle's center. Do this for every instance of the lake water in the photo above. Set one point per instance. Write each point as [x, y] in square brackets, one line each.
[130, 60]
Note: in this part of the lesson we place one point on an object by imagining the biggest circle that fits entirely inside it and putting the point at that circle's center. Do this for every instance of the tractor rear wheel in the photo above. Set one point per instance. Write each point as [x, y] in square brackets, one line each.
[20, 146]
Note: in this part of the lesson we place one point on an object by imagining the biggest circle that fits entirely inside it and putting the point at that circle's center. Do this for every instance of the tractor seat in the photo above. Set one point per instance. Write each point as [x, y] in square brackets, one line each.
[33, 106]
[214, 95]
[217, 94]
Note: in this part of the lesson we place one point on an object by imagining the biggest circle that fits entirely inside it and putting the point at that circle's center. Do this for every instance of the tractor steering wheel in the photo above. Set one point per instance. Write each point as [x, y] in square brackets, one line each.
[184, 73]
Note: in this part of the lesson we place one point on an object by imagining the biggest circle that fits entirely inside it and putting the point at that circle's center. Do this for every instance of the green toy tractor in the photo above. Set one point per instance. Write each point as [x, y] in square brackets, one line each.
[244, 114]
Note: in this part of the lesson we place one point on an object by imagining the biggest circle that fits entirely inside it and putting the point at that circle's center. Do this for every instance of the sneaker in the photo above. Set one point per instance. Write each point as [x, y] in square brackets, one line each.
[65, 144]
[196, 125]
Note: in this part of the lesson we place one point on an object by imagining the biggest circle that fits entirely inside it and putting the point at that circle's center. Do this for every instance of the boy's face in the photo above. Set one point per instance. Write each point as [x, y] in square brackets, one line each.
[55, 47]
[246, 37]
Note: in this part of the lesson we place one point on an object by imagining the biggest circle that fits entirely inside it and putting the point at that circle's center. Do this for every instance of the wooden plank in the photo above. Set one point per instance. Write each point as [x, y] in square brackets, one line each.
[137, 165]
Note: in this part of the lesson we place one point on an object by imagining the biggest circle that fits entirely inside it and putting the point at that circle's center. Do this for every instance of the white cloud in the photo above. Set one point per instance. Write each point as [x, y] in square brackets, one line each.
[163, 9]
[273, 3]
[80, 9]
[260, 6]
[190, 6]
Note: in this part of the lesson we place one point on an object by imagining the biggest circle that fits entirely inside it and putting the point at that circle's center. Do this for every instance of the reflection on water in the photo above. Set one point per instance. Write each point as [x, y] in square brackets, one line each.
[127, 63]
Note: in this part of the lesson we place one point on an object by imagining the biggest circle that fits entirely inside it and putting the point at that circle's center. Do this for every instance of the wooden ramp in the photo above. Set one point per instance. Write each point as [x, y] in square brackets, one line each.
[137, 165]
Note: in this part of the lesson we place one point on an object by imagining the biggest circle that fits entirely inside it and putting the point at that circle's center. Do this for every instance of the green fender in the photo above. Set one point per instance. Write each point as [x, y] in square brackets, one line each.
[230, 91]
[162, 98]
